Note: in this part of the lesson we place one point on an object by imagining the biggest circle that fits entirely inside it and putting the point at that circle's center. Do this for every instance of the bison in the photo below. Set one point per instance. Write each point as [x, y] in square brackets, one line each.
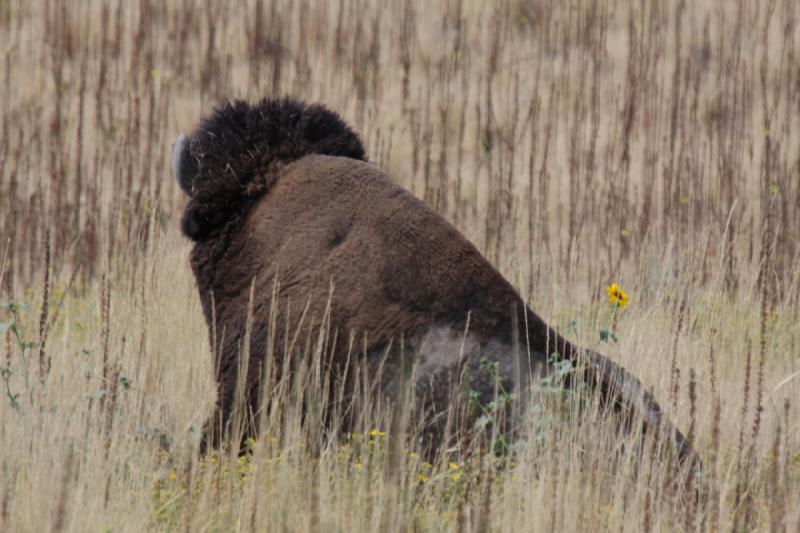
[286, 213]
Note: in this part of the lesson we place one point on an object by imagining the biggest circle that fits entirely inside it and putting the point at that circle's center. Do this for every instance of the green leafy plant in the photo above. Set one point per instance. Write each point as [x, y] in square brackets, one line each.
[12, 327]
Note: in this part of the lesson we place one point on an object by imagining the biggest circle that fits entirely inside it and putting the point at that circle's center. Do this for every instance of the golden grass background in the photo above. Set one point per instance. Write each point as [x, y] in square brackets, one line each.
[652, 143]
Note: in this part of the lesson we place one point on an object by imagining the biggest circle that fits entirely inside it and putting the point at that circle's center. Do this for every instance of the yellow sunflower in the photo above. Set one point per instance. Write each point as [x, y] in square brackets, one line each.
[617, 296]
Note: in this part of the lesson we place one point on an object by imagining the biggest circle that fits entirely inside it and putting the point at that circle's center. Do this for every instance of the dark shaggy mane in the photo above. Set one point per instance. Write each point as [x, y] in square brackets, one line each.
[240, 147]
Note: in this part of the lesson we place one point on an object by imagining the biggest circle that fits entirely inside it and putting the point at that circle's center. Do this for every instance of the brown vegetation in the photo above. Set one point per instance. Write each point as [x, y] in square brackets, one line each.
[654, 144]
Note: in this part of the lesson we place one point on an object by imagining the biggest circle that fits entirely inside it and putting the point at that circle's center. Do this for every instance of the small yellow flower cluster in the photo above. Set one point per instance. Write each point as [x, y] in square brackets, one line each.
[455, 471]
[244, 467]
[617, 296]
[375, 435]
[424, 472]
[360, 449]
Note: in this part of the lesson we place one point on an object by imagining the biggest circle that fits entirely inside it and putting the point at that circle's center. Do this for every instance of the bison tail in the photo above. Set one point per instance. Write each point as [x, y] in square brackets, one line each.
[627, 396]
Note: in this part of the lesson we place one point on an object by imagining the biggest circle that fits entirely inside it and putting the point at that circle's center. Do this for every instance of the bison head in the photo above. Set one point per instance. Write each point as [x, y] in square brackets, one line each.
[230, 160]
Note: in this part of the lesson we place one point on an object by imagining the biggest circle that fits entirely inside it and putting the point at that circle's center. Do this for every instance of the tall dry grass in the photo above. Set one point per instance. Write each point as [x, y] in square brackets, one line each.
[576, 143]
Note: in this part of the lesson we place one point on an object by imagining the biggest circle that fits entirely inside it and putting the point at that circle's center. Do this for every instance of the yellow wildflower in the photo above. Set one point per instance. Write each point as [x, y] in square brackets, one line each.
[377, 433]
[616, 295]
[455, 475]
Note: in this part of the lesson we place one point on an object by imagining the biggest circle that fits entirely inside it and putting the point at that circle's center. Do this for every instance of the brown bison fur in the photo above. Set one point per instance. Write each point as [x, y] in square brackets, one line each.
[283, 206]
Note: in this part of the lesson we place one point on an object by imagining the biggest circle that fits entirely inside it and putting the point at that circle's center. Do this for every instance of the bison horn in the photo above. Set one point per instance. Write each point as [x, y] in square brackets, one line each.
[184, 165]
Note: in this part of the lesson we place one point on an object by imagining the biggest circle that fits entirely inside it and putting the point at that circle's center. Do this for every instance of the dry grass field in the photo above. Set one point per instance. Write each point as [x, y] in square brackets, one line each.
[655, 144]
